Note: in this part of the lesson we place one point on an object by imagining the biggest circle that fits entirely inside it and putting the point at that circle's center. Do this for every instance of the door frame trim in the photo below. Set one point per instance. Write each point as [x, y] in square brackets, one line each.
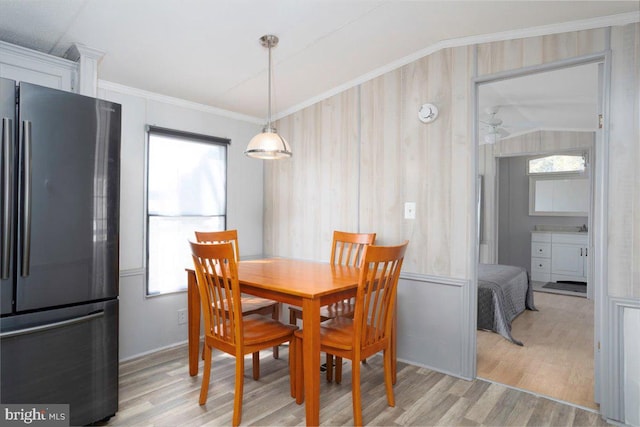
[606, 387]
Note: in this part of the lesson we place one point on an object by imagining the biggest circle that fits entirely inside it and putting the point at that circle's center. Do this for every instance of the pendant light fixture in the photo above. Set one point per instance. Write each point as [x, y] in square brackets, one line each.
[268, 144]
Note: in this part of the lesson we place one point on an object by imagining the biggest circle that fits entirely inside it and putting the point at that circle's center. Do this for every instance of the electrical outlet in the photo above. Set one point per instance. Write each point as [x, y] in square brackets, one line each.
[182, 316]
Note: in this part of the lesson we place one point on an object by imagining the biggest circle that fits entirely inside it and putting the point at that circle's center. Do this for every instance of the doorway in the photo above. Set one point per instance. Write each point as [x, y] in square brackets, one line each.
[522, 115]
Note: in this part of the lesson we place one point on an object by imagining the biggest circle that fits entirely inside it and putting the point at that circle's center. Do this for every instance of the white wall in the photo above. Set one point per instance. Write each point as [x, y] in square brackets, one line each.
[148, 324]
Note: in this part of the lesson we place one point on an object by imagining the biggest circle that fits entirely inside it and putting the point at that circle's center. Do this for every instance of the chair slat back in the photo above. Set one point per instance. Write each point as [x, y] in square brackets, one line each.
[217, 279]
[378, 282]
[223, 236]
[348, 248]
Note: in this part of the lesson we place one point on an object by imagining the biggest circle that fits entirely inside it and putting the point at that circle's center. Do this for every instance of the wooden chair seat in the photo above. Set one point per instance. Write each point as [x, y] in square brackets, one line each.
[337, 333]
[259, 329]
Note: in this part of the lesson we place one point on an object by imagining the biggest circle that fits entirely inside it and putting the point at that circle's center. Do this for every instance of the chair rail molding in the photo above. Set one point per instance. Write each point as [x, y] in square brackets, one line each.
[440, 280]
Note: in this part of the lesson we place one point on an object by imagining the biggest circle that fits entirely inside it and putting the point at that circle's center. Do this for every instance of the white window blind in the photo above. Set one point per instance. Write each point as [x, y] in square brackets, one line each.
[186, 191]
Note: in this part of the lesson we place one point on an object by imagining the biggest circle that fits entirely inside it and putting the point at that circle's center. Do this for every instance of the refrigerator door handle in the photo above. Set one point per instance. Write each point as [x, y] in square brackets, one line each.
[7, 191]
[26, 197]
[49, 326]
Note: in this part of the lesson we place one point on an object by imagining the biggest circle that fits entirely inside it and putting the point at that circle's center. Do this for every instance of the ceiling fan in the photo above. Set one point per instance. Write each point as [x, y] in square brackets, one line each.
[493, 125]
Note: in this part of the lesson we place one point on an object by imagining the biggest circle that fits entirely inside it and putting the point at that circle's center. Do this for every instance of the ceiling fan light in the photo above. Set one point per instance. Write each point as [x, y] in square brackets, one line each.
[491, 138]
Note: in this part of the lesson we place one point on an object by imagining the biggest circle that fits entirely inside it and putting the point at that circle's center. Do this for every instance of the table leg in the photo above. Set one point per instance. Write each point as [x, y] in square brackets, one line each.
[311, 359]
[193, 318]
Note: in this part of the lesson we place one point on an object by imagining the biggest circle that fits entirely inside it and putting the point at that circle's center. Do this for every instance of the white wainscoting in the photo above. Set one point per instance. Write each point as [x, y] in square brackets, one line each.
[631, 363]
[622, 363]
[432, 333]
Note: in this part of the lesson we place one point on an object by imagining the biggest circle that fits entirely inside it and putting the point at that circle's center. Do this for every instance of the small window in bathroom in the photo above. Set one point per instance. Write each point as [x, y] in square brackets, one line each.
[557, 163]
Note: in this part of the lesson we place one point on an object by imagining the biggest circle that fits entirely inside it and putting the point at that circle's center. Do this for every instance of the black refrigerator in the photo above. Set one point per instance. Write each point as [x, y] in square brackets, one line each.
[60, 178]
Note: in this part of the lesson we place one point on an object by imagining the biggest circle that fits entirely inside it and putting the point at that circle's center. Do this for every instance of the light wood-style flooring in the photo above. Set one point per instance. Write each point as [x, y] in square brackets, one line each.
[156, 390]
[557, 357]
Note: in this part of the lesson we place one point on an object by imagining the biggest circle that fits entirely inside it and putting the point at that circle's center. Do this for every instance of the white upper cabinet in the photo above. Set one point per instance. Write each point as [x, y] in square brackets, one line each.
[26, 65]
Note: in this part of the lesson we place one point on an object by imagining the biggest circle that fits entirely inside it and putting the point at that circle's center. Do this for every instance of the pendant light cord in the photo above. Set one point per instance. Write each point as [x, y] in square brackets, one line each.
[269, 84]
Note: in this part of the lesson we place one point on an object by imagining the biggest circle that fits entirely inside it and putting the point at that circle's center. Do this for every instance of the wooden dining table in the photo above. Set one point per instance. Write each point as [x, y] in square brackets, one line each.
[306, 284]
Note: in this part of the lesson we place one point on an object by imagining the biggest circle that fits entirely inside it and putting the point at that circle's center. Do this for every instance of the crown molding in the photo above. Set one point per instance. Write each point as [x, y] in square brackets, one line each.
[30, 54]
[78, 50]
[565, 27]
[152, 96]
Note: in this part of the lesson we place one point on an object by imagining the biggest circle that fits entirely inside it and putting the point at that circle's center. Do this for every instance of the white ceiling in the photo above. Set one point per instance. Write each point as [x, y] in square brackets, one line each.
[207, 51]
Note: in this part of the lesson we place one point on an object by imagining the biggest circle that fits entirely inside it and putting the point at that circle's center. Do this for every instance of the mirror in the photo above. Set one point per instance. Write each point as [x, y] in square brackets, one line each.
[559, 195]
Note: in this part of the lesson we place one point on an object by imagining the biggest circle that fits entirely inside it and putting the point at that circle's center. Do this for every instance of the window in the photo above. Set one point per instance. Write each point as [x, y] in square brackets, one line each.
[186, 191]
[557, 163]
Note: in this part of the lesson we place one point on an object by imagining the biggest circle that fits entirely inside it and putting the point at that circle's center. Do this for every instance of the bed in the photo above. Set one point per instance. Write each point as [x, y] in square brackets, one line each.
[504, 291]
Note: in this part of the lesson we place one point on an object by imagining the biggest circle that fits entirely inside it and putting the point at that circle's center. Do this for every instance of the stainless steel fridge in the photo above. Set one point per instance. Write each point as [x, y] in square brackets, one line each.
[60, 178]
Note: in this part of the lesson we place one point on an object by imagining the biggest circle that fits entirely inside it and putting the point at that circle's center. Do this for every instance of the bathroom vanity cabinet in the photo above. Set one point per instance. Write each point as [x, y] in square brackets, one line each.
[558, 256]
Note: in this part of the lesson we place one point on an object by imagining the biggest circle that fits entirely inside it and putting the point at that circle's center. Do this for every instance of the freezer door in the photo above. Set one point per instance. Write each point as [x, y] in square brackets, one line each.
[67, 356]
[7, 192]
[68, 198]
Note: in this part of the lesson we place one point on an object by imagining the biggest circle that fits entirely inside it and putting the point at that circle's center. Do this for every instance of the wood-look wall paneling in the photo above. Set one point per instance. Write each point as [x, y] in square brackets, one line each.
[541, 142]
[432, 169]
[463, 181]
[381, 160]
[433, 185]
[316, 190]
[506, 55]
[437, 161]
[624, 158]
[400, 159]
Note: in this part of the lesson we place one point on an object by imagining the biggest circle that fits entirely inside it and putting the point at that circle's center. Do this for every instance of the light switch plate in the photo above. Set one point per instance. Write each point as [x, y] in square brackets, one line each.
[410, 210]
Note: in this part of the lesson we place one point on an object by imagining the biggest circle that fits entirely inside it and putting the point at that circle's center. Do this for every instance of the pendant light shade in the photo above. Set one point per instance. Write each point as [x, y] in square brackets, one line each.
[268, 145]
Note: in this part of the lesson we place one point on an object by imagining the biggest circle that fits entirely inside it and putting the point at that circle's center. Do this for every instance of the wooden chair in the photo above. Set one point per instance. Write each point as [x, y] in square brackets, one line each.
[250, 304]
[369, 331]
[347, 249]
[226, 327]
